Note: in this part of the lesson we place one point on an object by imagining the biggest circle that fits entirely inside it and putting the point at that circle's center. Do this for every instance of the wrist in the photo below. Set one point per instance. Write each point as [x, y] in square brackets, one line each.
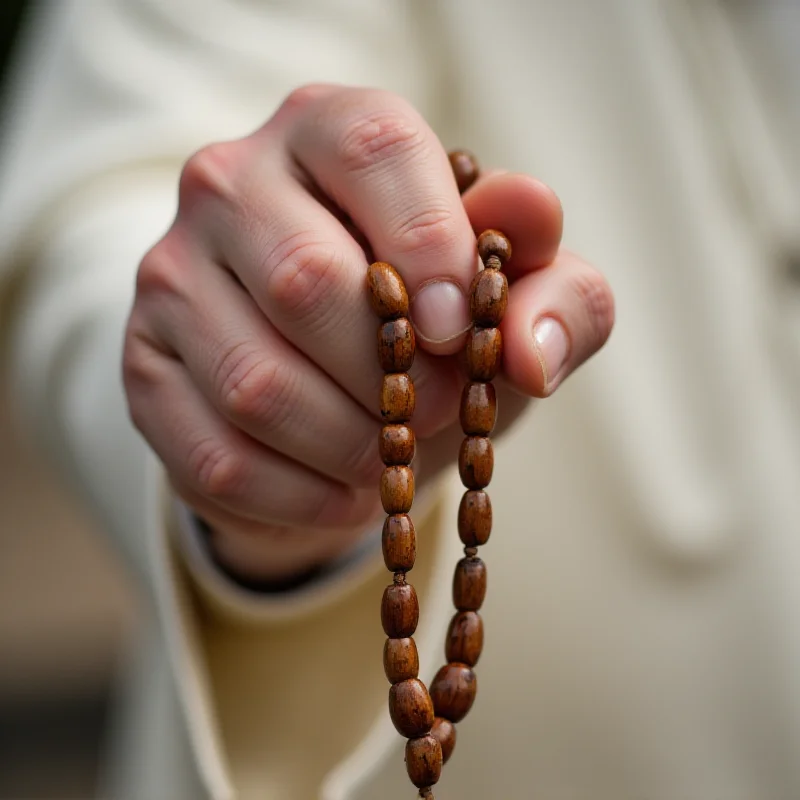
[277, 559]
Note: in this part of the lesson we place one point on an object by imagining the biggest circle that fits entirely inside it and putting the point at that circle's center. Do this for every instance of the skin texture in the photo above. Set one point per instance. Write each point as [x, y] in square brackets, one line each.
[250, 363]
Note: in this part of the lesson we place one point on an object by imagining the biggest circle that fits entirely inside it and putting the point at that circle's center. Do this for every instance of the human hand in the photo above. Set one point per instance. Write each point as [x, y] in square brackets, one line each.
[250, 362]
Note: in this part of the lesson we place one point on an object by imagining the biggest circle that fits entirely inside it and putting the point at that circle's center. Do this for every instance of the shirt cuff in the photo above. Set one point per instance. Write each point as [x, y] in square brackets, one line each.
[255, 601]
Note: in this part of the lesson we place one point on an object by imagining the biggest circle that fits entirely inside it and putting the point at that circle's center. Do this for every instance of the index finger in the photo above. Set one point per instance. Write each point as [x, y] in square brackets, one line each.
[378, 160]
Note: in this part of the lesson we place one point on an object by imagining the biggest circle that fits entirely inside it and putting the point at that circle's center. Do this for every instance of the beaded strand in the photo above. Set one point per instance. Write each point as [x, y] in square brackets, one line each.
[410, 704]
[454, 688]
[427, 719]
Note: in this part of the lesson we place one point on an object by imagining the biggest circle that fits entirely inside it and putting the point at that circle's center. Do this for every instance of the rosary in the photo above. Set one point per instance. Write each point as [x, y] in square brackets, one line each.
[427, 719]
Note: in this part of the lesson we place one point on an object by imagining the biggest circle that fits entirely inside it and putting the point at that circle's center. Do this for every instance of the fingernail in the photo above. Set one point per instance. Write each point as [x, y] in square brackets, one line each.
[439, 311]
[552, 348]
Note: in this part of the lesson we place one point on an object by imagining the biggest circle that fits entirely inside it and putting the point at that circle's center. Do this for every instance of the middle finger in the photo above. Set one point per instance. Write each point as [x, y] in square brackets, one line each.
[308, 276]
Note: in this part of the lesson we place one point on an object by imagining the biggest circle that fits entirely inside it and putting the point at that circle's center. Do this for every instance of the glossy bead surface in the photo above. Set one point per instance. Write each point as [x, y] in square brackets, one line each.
[445, 732]
[424, 760]
[396, 444]
[475, 518]
[410, 708]
[478, 412]
[397, 489]
[465, 169]
[469, 584]
[464, 640]
[494, 243]
[387, 292]
[488, 298]
[397, 397]
[484, 351]
[400, 659]
[399, 542]
[399, 611]
[396, 345]
[476, 462]
[453, 691]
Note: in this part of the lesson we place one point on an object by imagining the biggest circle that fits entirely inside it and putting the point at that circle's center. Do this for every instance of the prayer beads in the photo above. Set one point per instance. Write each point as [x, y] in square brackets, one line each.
[427, 718]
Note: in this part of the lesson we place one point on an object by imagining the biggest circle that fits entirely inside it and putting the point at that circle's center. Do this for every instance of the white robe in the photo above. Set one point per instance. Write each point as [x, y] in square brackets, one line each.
[643, 640]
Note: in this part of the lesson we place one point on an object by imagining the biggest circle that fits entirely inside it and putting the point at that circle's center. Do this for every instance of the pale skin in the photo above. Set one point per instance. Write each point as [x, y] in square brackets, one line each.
[250, 356]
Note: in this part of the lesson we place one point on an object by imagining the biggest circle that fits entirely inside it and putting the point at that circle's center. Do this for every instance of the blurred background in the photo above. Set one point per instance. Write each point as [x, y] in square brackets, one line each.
[65, 607]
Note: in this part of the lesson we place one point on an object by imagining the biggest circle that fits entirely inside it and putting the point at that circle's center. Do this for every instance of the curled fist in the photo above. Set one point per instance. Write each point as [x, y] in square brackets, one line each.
[249, 359]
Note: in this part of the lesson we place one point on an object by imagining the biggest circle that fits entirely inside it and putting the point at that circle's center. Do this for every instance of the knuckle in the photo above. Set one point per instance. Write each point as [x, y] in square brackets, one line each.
[209, 173]
[133, 383]
[597, 301]
[377, 137]
[434, 229]
[139, 359]
[303, 96]
[164, 269]
[142, 372]
[252, 388]
[216, 471]
[305, 276]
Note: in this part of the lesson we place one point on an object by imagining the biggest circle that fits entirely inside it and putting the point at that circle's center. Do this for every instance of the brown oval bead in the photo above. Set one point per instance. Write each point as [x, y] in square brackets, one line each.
[396, 445]
[399, 610]
[475, 518]
[397, 490]
[424, 759]
[396, 345]
[493, 243]
[465, 169]
[478, 412]
[484, 352]
[476, 462]
[445, 732]
[410, 708]
[469, 584]
[453, 691]
[464, 640]
[400, 659]
[387, 292]
[397, 397]
[399, 541]
[488, 298]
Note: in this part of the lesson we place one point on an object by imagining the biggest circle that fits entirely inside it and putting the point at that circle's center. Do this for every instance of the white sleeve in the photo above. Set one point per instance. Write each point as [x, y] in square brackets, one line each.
[109, 100]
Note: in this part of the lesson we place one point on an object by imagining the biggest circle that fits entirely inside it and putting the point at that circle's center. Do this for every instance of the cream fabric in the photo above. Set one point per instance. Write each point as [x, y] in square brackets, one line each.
[642, 636]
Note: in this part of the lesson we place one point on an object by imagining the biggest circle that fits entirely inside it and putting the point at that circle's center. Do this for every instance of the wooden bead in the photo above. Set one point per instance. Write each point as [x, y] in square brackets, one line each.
[476, 462]
[397, 397]
[484, 352]
[396, 444]
[400, 659]
[445, 732]
[410, 708]
[397, 489]
[453, 691]
[399, 610]
[424, 759]
[399, 541]
[469, 584]
[478, 409]
[396, 345]
[464, 640]
[387, 292]
[465, 169]
[475, 518]
[488, 298]
[493, 243]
